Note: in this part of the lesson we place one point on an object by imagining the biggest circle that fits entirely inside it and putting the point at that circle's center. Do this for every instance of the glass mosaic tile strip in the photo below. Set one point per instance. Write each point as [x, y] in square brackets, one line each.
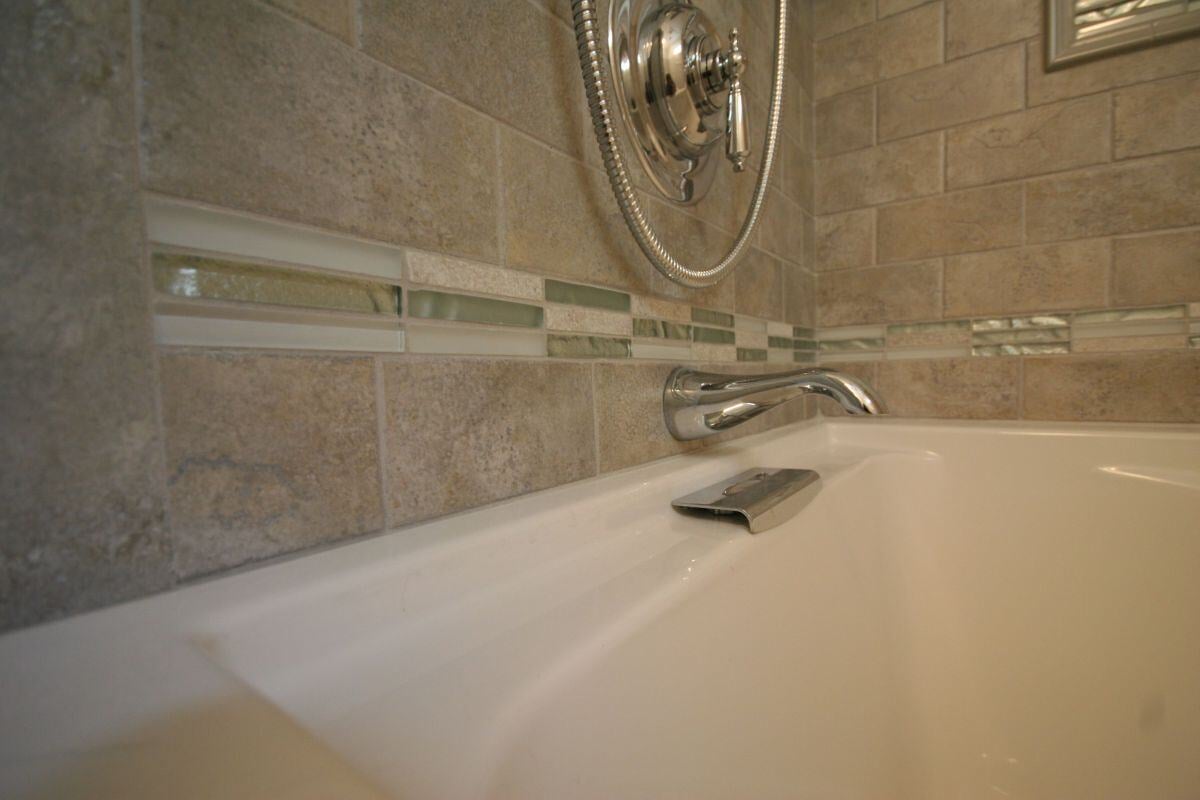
[661, 329]
[204, 278]
[187, 226]
[455, 340]
[850, 345]
[1009, 323]
[1021, 349]
[780, 356]
[1024, 336]
[958, 351]
[577, 294]
[706, 317]
[751, 354]
[1151, 327]
[587, 347]
[425, 304]
[1194, 341]
[712, 336]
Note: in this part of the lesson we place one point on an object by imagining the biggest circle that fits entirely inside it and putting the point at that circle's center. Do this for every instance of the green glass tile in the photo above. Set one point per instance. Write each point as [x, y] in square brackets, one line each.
[1022, 336]
[1131, 315]
[804, 358]
[805, 344]
[464, 308]
[803, 333]
[216, 279]
[850, 345]
[660, 329]
[712, 317]
[712, 336]
[1021, 350]
[587, 347]
[751, 354]
[579, 295]
[781, 342]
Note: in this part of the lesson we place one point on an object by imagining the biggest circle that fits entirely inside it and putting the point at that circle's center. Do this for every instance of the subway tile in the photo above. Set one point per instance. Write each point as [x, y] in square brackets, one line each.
[800, 296]
[1049, 138]
[82, 497]
[890, 47]
[434, 42]
[1113, 71]
[972, 26]
[982, 85]
[879, 294]
[1129, 197]
[1156, 117]
[558, 346]
[381, 155]
[591, 296]
[894, 171]
[434, 269]
[1161, 268]
[974, 219]
[198, 277]
[629, 417]
[835, 16]
[845, 240]
[333, 16]
[951, 388]
[758, 286]
[1068, 275]
[846, 122]
[267, 455]
[1115, 388]
[587, 320]
[929, 334]
[426, 304]
[499, 429]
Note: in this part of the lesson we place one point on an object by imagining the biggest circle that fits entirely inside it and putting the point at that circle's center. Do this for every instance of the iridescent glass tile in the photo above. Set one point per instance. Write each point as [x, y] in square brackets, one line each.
[712, 317]
[712, 335]
[577, 294]
[465, 308]
[751, 354]
[587, 347]
[661, 329]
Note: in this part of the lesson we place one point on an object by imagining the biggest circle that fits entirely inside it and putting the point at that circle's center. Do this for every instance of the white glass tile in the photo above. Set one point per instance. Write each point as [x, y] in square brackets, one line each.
[662, 352]
[929, 352]
[779, 329]
[857, 332]
[475, 341]
[196, 331]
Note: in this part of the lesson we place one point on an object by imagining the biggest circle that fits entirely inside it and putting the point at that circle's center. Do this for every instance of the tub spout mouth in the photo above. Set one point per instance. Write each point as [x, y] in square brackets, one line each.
[700, 404]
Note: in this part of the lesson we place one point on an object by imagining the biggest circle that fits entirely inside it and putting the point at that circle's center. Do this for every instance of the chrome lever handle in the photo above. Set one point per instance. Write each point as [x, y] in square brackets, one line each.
[737, 123]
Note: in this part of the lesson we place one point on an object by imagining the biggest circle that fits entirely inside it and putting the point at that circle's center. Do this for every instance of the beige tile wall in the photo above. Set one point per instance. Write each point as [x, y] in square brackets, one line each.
[956, 179]
[454, 127]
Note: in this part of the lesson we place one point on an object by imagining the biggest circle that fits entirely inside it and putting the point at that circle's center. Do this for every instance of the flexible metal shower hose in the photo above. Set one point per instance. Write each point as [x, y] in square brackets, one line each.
[592, 63]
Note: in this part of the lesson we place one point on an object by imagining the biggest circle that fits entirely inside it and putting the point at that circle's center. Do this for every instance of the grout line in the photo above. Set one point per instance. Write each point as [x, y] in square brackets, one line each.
[1112, 126]
[358, 24]
[501, 202]
[1111, 273]
[381, 440]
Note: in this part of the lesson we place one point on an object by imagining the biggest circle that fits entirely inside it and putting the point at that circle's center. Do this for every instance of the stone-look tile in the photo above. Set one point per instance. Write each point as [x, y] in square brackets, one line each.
[800, 296]
[846, 122]
[250, 109]
[433, 269]
[267, 454]
[82, 498]
[972, 26]
[1049, 138]
[660, 309]
[974, 219]
[951, 388]
[435, 42]
[835, 16]
[784, 225]
[629, 415]
[895, 171]
[335, 16]
[499, 429]
[1156, 117]
[866, 371]
[1164, 268]
[929, 334]
[798, 180]
[589, 320]
[560, 218]
[844, 241]
[692, 241]
[886, 8]
[1057, 276]
[879, 294]
[1110, 72]
[1144, 387]
[984, 85]
[758, 286]
[894, 46]
[1128, 197]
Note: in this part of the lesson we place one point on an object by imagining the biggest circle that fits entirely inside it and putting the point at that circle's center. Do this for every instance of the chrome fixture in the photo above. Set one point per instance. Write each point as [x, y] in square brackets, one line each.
[762, 497]
[700, 404]
[673, 80]
[1079, 30]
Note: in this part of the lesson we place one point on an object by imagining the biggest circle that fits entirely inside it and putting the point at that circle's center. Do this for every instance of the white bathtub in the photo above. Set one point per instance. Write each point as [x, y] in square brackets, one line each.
[965, 611]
